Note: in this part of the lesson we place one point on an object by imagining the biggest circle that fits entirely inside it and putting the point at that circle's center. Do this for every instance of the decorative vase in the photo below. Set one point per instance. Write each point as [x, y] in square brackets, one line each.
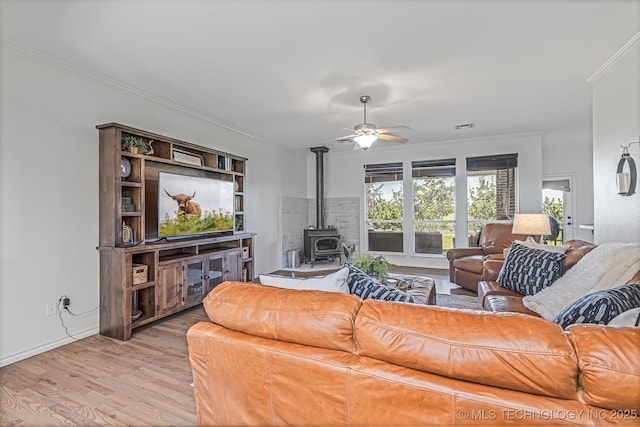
[133, 150]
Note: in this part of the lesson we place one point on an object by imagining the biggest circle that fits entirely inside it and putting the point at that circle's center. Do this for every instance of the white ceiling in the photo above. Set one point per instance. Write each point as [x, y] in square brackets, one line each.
[291, 72]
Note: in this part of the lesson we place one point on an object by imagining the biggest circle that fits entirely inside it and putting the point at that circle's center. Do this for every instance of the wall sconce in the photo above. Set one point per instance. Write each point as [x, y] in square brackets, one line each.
[626, 179]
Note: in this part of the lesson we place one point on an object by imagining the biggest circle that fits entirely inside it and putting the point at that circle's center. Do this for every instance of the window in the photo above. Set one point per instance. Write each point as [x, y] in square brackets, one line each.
[383, 183]
[491, 191]
[434, 205]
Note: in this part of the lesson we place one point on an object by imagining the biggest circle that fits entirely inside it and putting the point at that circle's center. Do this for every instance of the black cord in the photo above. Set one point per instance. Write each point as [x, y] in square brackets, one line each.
[62, 322]
[83, 313]
[75, 315]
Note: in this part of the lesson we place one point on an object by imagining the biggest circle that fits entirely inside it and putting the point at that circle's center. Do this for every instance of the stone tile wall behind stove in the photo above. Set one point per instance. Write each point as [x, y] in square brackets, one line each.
[344, 214]
[298, 213]
[295, 218]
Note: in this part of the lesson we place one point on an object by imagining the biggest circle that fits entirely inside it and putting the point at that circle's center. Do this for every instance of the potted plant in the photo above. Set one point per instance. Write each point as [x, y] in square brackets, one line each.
[134, 145]
[376, 267]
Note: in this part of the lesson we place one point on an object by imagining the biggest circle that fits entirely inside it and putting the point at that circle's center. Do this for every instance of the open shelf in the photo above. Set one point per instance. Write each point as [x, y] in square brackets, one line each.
[131, 184]
[146, 306]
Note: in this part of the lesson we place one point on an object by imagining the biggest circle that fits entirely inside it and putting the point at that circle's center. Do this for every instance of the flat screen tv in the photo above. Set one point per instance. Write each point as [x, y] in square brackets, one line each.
[190, 205]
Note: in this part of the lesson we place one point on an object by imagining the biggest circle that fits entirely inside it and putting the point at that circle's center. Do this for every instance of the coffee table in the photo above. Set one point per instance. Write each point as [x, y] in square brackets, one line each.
[422, 288]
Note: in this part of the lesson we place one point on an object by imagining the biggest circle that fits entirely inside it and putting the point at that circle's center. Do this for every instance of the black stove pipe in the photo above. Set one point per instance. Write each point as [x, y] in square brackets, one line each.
[319, 152]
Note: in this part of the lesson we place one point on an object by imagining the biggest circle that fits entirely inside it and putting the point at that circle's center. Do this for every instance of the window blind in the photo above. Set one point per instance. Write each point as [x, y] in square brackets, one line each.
[499, 161]
[433, 168]
[383, 172]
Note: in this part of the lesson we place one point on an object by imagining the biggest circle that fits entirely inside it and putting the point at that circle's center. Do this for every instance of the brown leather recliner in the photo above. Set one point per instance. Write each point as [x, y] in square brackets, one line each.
[466, 264]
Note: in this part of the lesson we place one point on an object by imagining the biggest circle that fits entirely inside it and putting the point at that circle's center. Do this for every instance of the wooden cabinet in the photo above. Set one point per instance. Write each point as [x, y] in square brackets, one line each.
[185, 283]
[232, 266]
[143, 276]
[193, 282]
[170, 286]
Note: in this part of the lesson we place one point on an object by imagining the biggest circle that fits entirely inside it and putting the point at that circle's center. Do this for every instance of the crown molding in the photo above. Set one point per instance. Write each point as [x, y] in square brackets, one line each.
[613, 59]
[87, 74]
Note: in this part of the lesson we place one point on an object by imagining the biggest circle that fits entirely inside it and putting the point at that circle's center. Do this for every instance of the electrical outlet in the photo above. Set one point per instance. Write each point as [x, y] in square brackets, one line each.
[51, 309]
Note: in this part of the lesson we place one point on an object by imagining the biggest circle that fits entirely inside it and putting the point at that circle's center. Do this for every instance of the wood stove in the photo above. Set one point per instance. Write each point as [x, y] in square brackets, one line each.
[321, 244]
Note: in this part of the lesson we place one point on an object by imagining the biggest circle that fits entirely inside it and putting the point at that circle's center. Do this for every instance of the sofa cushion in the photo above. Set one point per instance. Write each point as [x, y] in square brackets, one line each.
[505, 350]
[365, 287]
[609, 368]
[471, 263]
[506, 303]
[487, 288]
[334, 282]
[550, 248]
[577, 249]
[600, 307]
[627, 318]
[496, 237]
[528, 271]
[315, 318]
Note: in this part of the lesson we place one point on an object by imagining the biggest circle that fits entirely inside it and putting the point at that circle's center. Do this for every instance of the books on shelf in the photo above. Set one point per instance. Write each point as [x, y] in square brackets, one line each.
[225, 163]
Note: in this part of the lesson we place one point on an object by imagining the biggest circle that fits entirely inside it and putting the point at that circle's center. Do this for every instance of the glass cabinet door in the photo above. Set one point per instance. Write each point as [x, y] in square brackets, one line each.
[194, 289]
[214, 272]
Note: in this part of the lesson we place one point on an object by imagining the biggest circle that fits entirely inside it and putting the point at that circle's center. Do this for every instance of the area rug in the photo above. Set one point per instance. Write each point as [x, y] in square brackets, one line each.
[458, 301]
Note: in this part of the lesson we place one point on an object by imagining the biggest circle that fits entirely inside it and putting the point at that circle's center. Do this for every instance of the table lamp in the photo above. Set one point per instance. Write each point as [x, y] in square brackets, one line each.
[531, 224]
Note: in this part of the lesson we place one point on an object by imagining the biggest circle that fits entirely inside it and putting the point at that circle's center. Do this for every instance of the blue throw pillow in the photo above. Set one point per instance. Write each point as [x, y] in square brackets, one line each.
[600, 307]
[528, 270]
[365, 287]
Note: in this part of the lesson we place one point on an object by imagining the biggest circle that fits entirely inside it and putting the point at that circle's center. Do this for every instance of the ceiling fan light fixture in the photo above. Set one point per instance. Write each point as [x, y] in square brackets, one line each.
[365, 134]
[365, 141]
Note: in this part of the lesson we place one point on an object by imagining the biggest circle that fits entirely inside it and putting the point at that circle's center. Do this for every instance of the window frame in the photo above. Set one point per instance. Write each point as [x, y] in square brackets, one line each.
[385, 173]
[424, 170]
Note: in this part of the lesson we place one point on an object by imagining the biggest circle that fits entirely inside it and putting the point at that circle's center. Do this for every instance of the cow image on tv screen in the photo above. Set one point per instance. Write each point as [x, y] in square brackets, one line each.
[194, 205]
[186, 207]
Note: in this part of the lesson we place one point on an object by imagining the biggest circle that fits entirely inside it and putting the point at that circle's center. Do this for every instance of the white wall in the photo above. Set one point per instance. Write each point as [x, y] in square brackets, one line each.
[570, 154]
[616, 121]
[49, 185]
[344, 174]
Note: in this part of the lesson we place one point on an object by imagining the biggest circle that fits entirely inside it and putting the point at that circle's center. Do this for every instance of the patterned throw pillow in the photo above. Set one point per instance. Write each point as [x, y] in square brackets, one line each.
[365, 287]
[600, 307]
[528, 270]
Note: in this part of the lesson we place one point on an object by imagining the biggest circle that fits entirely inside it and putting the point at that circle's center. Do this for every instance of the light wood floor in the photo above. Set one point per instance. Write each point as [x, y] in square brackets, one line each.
[101, 381]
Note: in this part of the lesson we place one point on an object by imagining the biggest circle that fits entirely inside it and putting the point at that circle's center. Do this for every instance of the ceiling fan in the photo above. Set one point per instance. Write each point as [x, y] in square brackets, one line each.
[366, 133]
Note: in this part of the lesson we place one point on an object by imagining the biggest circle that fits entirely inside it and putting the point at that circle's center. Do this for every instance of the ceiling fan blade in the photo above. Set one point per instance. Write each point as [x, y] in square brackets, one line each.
[392, 138]
[393, 129]
[345, 138]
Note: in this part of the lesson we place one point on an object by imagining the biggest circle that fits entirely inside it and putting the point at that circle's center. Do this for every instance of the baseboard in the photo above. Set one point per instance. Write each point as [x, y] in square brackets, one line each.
[16, 357]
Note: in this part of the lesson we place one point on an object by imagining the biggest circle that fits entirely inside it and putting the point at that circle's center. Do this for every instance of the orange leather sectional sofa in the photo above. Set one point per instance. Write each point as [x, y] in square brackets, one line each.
[273, 356]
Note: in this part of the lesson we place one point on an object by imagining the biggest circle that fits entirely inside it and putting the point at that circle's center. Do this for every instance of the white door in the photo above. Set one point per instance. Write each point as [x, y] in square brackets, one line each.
[557, 201]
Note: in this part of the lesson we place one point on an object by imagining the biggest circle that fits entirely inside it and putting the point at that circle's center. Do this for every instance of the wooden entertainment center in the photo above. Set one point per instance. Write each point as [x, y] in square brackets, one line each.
[145, 276]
